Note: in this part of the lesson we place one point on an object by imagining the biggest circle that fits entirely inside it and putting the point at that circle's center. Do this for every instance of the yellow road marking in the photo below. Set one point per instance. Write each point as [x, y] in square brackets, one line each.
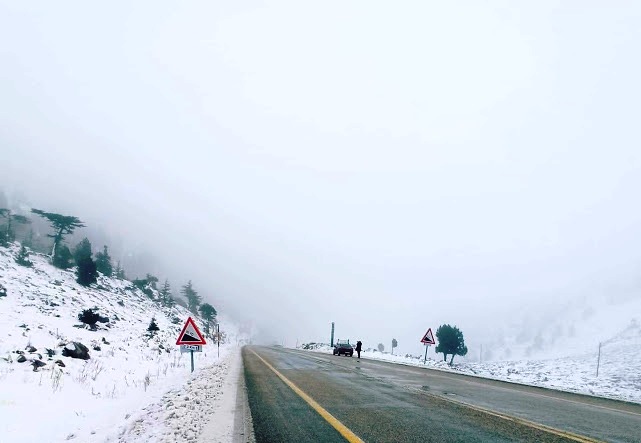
[517, 420]
[526, 392]
[438, 373]
[521, 421]
[329, 418]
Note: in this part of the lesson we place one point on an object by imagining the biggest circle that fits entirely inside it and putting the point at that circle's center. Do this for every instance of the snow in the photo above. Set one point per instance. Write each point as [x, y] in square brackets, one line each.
[181, 415]
[137, 388]
[619, 372]
[569, 328]
[221, 425]
[133, 388]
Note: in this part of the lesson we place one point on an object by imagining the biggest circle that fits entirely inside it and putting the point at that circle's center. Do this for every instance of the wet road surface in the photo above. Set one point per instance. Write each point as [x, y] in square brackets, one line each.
[382, 402]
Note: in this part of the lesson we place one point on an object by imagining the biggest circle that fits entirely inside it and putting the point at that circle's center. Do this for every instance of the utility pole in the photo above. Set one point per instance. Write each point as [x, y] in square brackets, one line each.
[481, 354]
[332, 338]
[598, 361]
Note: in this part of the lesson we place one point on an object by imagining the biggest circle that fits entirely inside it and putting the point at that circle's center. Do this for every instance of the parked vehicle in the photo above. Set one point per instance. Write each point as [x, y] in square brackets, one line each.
[342, 347]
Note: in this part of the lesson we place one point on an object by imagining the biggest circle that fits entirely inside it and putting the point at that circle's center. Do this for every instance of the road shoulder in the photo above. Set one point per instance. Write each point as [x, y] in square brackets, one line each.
[230, 421]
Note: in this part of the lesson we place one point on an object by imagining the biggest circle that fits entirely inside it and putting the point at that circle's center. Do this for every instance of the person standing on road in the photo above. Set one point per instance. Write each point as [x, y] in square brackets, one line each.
[359, 346]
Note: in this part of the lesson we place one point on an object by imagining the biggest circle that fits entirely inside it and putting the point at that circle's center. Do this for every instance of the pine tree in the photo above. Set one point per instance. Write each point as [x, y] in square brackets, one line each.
[22, 257]
[450, 342]
[153, 327]
[103, 263]
[61, 224]
[82, 250]
[119, 272]
[193, 299]
[86, 273]
[209, 314]
[62, 257]
[165, 295]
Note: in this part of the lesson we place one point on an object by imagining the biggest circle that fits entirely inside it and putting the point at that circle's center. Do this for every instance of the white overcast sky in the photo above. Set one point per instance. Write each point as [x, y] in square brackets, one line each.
[385, 165]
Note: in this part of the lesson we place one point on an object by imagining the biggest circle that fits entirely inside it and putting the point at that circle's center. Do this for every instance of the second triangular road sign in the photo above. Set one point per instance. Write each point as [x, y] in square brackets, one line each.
[428, 338]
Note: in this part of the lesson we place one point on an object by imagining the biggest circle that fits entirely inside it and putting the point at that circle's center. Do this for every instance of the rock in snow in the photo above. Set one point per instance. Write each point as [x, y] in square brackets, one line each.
[76, 350]
[37, 364]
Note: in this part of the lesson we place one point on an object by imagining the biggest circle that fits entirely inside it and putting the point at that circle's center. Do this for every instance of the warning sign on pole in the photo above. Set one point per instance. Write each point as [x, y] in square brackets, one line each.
[428, 338]
[190, 335]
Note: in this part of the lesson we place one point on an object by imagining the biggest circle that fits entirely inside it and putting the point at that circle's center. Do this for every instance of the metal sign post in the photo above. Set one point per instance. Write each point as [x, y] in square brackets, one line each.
[191, 339]
[598, 361]
[427, 340]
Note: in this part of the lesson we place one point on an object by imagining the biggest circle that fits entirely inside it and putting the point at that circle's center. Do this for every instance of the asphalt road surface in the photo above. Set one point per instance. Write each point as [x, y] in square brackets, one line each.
[298, 396]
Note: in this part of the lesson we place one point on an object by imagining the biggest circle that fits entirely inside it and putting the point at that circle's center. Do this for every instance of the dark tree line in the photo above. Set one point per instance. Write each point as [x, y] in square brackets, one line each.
[88, 266]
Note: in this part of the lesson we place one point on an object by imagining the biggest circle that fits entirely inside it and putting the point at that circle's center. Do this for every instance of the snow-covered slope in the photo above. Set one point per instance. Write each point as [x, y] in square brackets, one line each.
[619, 369]
[573, 328]
[98, 399]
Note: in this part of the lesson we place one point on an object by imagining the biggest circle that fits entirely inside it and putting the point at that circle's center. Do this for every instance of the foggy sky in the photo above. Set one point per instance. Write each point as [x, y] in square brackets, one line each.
[389, 166]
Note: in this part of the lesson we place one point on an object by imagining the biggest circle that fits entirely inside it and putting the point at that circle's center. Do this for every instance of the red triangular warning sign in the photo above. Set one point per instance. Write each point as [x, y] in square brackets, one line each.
[428, 338]
[190, 335]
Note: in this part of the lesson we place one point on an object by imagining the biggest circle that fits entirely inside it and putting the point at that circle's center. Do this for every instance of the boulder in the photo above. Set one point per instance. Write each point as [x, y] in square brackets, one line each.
[76, 349]
[37, 364]
[3, 291]
[30, 349]
[60, 363]
[21, 359]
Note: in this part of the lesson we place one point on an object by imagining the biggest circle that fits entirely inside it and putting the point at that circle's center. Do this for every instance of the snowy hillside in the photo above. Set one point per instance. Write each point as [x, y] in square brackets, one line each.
[565, 329]
[48, 397]
[619, 369]
[619, 372]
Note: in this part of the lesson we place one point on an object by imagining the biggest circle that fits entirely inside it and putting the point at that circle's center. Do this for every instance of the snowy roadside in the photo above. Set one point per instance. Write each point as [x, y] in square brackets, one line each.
[47, 396]
[203, 406]
[619, 376]
[230, 420]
